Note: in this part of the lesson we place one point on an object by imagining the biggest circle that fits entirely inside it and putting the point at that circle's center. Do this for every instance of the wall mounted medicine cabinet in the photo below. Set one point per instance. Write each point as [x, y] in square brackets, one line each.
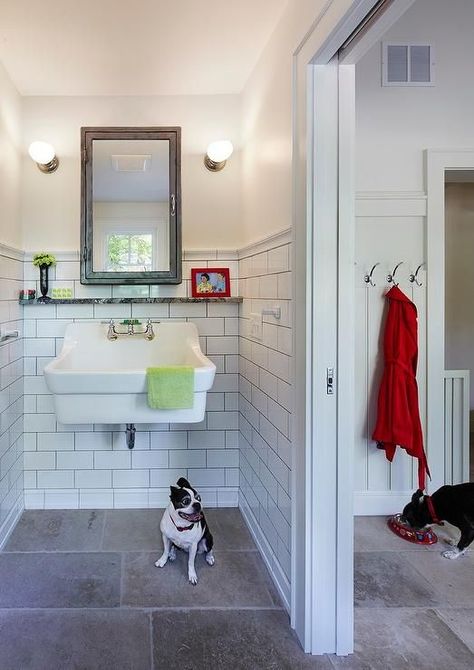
[131, 205]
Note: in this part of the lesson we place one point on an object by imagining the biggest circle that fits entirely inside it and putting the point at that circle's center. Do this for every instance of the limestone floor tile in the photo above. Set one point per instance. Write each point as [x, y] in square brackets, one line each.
[461, 622]
[386, 579]
[404, 639]
[238, 579]
[371, 533]
[451, 579]
[75, 639]
[59, 580]
[132, 530]
[228, 640]
[229, 530]
[57, 530]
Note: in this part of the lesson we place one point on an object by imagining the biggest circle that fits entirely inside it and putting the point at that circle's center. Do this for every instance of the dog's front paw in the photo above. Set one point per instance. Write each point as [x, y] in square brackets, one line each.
[161, 562]
[192, 576]
[452, 553]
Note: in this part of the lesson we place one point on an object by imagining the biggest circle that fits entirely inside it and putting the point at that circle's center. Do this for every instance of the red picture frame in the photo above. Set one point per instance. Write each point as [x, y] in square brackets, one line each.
[210, 282]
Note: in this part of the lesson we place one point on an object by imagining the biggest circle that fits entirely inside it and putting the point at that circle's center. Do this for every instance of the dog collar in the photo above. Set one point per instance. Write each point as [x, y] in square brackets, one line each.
[180, 528]
[432, 512]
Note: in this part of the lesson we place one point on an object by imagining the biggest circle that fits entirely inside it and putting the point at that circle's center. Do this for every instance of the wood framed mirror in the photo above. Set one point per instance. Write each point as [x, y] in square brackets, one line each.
[131, 205]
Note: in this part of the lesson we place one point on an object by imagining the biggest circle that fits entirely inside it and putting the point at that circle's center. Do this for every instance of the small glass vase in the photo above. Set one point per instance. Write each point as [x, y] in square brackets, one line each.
[44, 269]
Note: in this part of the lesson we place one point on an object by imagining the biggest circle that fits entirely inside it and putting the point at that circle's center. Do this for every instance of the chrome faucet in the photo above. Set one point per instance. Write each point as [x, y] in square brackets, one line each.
[149, 332]
[111, 334]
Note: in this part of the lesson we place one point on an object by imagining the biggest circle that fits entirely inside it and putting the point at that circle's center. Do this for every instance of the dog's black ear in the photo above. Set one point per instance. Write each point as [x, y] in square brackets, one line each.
[183, 483]
[173, 489]
[417, 496]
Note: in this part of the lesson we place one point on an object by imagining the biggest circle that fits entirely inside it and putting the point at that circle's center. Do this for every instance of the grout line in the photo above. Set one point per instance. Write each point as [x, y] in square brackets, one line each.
[121, 580]
[152, 659]
[115, 551]
[103, 527]
[150, 610]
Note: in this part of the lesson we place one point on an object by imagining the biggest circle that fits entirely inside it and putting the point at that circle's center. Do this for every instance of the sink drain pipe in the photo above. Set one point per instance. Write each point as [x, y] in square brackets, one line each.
[130, 434]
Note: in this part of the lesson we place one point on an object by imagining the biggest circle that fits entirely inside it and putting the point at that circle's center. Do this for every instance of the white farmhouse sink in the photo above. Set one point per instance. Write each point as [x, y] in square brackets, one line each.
[96, 380]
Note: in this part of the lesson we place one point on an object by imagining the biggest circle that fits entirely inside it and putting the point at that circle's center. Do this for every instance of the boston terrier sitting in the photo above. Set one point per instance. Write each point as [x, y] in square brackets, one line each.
[454, 504]
[183, 525]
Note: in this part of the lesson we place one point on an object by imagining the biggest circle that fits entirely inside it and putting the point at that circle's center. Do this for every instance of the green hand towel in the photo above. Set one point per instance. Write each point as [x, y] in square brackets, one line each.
[170, 387]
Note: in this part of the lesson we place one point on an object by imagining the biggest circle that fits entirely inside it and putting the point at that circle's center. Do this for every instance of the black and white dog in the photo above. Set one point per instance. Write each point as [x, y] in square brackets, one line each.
[454, 504]
[183, 525]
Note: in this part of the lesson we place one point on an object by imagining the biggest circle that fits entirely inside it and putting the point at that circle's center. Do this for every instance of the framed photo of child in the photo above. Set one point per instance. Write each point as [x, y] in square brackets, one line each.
[210, 282]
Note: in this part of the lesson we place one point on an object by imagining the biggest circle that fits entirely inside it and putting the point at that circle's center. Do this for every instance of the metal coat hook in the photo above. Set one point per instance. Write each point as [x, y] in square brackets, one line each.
[368, 276]
[391, 277]
[414, 275]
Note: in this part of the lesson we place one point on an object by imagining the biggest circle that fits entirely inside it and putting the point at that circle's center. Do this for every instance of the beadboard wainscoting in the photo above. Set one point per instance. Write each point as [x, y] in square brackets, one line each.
[266, 396]
[87, 466]
[11, 392]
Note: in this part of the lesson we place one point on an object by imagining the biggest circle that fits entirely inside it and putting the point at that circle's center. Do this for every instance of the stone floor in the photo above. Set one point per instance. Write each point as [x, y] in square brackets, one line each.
[79, 591]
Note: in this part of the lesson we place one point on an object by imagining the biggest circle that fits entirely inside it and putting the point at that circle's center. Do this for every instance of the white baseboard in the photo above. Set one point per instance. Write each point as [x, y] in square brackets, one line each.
[279, 578]
[375, 503]
[11, 521]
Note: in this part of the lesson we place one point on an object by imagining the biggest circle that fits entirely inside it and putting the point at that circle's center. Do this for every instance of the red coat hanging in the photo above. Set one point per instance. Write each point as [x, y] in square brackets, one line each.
[398, 415]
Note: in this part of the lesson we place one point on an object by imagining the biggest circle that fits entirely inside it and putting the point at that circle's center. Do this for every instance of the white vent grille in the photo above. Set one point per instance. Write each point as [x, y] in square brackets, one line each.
[407, 64]
[131, 162]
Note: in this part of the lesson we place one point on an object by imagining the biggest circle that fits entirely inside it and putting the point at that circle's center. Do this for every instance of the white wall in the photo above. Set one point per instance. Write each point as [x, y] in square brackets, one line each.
[211, 201]
[10, 145]
[395, 124]
[459, 287]
[267, 126]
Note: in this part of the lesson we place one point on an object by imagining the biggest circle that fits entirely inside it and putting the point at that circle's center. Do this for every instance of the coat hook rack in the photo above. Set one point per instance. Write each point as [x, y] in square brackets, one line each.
[391, 277]
[368, 276]
[414, 275]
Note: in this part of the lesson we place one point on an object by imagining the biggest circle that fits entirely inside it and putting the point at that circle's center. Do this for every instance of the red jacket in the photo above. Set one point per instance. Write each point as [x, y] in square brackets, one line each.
[398, 416]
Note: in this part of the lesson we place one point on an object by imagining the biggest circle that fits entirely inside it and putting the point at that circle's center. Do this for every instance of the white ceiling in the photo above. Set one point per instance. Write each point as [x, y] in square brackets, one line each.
[146, 47]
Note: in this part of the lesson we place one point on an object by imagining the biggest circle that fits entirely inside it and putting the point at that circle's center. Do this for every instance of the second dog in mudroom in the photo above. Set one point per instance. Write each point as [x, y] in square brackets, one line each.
[454, 504]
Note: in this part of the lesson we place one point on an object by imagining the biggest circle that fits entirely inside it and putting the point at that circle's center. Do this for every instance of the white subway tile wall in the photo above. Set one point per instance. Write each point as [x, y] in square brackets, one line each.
[11, 391]
[265, 386]
[86, 466]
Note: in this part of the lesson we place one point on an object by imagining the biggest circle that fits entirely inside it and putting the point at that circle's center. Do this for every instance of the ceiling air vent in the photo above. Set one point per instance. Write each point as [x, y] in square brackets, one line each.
[407, 64]
[131, 162]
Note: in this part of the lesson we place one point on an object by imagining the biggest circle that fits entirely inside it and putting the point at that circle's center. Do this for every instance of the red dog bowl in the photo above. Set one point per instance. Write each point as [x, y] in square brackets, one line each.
[406, 532]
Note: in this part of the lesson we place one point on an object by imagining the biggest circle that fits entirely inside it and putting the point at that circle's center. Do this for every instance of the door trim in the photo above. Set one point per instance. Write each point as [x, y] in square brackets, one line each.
[437, 161]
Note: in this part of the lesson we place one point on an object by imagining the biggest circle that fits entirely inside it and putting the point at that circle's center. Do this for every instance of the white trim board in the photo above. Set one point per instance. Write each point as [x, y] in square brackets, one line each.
[11, 252]
[380, 503]
[266, 243]
[386, 204]
[271, 561]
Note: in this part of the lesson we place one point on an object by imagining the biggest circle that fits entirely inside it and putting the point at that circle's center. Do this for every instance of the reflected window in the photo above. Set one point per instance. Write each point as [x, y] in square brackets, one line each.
[129, 252]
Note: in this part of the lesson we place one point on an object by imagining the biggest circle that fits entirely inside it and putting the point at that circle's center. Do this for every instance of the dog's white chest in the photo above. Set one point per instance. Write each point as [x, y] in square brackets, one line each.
[184, 538]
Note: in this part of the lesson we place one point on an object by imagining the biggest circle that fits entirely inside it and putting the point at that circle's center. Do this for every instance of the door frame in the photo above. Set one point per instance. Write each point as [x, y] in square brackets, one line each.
[437, 162]
[324, 200]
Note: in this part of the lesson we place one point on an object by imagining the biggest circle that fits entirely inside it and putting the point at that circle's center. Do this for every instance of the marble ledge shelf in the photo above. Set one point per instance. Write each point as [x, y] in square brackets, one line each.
[107, 301]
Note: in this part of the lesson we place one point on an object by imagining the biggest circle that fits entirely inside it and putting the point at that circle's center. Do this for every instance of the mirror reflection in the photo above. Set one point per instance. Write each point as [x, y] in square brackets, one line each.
[130, 186]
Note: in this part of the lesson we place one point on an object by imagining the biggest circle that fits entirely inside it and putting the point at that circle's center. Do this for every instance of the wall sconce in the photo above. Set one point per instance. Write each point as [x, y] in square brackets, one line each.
[44, 156]
[217, 154]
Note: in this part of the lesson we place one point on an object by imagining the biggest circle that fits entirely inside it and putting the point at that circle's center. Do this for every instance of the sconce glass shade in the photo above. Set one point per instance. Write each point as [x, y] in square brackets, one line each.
[44, 156]
[217, 154]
